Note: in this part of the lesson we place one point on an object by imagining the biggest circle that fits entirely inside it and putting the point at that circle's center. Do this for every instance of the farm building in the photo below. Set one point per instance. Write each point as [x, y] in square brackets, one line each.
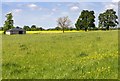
[16, 30]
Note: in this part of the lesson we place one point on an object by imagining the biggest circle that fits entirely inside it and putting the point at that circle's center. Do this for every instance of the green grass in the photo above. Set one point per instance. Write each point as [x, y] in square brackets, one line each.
[80, 55]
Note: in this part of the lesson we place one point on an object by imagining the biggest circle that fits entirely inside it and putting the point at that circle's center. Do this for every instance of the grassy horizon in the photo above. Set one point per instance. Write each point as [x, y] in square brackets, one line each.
[60, 31]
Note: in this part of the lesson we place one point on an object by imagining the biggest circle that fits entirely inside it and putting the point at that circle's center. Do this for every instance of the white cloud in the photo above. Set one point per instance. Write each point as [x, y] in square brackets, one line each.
[115, 0]
[74, 8]
[110, 6]
[34, 6]
[54, 9]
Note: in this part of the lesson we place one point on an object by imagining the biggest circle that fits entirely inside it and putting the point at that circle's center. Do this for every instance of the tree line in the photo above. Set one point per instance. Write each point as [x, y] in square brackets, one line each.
[86, 21]
[106, 20]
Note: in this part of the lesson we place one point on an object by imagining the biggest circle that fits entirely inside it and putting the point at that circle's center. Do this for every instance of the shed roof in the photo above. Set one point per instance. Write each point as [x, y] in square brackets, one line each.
[16, 29]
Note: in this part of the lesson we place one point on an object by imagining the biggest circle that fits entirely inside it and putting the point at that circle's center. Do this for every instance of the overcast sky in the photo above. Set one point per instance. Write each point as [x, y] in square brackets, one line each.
[45, 13]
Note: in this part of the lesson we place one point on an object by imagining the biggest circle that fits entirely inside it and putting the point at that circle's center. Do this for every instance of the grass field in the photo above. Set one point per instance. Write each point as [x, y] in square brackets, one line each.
[78, 55]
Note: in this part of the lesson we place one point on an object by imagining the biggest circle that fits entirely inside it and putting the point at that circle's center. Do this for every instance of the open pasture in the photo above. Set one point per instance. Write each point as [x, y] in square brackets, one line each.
[77, 55]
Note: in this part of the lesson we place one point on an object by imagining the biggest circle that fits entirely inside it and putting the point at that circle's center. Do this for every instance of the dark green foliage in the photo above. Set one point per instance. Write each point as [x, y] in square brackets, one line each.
[93, 29]
[57, 28]
[33, 27]
[26, 28]
[1, 28]
[9, 22]
[86, 20]
[108, 19]
[41, 29]
[72, 28]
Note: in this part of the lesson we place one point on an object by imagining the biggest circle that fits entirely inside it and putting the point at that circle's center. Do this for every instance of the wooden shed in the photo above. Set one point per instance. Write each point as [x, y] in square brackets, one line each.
[16, 30]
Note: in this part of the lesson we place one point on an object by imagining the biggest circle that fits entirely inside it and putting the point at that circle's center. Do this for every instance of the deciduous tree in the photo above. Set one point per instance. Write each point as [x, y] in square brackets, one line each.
[33, 27]
[9, 22]
[26, 28]
[64, 22]
[86, 20]
[108, 19]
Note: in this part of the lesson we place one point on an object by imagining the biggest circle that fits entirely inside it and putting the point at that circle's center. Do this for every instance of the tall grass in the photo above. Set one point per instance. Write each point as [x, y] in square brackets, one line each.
[80, 55]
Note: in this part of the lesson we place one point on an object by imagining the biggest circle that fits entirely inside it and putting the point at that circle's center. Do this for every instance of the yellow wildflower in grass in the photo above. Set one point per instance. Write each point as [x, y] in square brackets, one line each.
[50, 62]
[1, 32]
[108, 67]
[33, 32]
[117, 51]
[102, 67]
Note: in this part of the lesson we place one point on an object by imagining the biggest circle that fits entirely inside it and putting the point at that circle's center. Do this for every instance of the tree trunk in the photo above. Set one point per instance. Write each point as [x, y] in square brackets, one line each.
[85, 29]
[4, 32]
[107, 27]
[63, 29]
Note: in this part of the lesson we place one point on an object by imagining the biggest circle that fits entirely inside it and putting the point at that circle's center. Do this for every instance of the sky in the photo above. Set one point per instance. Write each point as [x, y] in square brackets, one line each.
[44, 13]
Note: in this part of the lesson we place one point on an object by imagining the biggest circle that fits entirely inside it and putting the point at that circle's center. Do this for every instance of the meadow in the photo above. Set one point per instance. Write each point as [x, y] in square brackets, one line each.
[72, 55]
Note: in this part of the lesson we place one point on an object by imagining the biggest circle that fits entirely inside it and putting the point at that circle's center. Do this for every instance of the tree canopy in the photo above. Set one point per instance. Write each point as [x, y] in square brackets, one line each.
[108, 19]
[26, 28]
[9, 22]
[86, 20]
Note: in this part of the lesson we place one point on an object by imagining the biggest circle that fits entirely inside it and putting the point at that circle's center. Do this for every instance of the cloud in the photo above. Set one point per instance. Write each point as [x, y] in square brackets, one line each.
[34, 6]
[54, 9]
[74, 8]
[110, 6]
[115, 0]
